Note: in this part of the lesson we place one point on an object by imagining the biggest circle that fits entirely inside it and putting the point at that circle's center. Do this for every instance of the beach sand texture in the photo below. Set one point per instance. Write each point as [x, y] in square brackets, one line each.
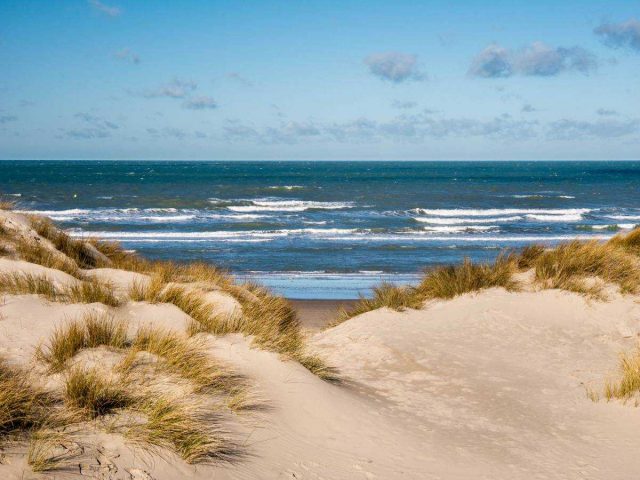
[486, 385]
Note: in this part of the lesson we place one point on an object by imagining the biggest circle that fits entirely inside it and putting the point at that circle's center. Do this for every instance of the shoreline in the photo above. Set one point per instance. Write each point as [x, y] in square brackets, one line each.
[315, 314]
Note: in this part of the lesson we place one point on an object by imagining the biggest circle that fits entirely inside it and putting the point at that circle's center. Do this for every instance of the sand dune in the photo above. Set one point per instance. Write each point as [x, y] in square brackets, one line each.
[492, 384]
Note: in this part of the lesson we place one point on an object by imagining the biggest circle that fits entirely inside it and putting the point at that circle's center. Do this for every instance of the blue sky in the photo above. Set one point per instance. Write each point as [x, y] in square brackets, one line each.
[117, 79]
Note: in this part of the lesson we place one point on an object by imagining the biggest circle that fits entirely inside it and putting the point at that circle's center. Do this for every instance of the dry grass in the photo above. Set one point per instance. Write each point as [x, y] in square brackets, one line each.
[442, 282]
[569, 264]
[7, 204]
[49, 450]
[120, 258]
[36, 253]
[451, 281]
[182, 356]
[187, 428]
[92, 330]
[629, 383]
[629, 242]
[23, 407]
[25, 283]
[384, 295]
[90, 291]
[91, 393]
[74, 249]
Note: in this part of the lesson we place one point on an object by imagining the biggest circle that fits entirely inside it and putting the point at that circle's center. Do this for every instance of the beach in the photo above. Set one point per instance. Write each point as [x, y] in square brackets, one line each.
[118, 367]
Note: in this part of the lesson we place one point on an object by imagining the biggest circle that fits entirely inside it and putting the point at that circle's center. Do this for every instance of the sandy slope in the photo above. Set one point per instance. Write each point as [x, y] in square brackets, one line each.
[486, 386]
[496, 381]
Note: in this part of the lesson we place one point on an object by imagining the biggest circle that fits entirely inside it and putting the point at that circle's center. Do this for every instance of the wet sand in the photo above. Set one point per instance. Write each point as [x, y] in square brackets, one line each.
[316, 314]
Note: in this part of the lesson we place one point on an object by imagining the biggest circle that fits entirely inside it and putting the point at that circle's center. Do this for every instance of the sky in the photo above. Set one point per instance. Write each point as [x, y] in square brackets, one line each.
[313, 80]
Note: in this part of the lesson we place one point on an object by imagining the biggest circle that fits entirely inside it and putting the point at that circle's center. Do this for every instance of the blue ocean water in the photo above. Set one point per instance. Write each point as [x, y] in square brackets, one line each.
[328, 229]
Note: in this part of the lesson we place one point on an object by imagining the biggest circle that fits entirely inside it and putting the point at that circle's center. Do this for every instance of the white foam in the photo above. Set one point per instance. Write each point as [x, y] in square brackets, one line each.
[51, 213]
[470, 212]
[555, 218]
[214, 234]
[288, 206]
[624, 217]
[462, 228]
[285, 187]
[458, 221]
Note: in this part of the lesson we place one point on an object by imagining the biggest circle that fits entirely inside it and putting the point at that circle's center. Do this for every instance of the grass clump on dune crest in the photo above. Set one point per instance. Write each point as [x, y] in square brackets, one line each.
[567, 265]
[7, 204]
[35, 253]
[182, 356]
[451, 281]
[629, 242]
[92, 330]
[442, 282]
[91, 393]
[26, 284]
[385, 295]
[76, 250]
[90, 291]
[629, 383]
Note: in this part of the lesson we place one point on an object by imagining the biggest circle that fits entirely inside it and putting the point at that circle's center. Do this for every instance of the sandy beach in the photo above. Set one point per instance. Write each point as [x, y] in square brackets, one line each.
[156, 371]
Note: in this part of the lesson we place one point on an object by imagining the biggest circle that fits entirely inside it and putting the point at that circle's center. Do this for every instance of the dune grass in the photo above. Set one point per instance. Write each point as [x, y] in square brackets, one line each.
[35, 253]
[90, 331]
[384, 295]
[25, 283]
[628, 385]
[74, 249]
[48, 450]
[89, 291]
[7, 204]
[185, 427]
[23, 407]
[567, 265]
[442, 282]
[182, 356]
[92, 393]
[92, 291]
[451, 281]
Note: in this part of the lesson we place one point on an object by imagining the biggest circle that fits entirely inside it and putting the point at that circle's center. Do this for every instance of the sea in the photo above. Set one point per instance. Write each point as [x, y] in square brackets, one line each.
[328, 229]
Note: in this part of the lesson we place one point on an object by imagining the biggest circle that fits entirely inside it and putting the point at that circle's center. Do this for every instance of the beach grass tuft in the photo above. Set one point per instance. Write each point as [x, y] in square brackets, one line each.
[90, 331]
[569, 264]
[92, 393]
[186, 357]
[92, 291]
[451, 281]
[35, 253]
[384, 295]
[628, 384]
[185, 427]
[23, 406]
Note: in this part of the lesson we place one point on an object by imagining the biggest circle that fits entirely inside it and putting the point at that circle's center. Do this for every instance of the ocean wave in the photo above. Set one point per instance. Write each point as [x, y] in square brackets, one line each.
[555, 218]
[624, 217]
[285, 187]
[326, 234]
[461, 228]
[458, 221]
[288, 206]
[539, 195]
[470, 212]
[138, 214]
[214, 234]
